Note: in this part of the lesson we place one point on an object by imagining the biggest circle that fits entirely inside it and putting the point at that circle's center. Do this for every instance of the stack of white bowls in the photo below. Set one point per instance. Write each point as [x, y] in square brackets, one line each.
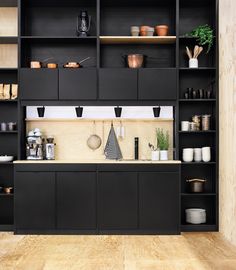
[188, 154]
[195, 215]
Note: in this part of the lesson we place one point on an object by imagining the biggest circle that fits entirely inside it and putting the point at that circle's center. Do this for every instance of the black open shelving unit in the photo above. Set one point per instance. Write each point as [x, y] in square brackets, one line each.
[47, 29]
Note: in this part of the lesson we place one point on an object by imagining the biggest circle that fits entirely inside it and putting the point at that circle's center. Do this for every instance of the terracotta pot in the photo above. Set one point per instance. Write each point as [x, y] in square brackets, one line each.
[162, 30]
[144, 33]
[52, 65]
[144, 28]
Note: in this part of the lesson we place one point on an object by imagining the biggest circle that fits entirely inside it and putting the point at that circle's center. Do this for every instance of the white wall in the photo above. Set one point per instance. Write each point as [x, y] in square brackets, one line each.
[100, 112]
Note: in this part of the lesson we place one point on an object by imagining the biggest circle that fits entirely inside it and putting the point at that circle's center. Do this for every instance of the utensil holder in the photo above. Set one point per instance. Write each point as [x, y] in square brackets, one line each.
[155, 155]
[193, 63]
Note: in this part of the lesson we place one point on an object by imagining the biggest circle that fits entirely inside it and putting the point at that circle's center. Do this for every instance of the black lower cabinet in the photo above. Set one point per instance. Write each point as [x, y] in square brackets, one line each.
[117, 201]
[76, 200]
[102, 198]
[159, 202]
[35, 201]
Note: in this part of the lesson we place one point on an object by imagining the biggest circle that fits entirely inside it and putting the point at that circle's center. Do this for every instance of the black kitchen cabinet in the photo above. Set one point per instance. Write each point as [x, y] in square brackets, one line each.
[159, 201]
[38, 84]
[35, 200]
[79, 84]
[76, 200]
[117, 84]
[117, 200]
[157, 84]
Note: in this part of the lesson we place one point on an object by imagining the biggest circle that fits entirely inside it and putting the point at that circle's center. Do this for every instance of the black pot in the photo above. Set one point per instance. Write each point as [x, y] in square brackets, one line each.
[79, 111]
[41, 111]
[118, 111]
[156, 111]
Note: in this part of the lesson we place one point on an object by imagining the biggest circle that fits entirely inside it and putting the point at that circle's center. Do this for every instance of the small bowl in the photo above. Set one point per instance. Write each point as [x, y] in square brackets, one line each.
[35, 64]
[8, 190]
[6, 158]
[52, 65]
[162, 30]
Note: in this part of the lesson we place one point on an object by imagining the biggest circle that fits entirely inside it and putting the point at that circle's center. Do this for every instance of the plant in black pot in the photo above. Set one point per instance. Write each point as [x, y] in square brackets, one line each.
[204, 36]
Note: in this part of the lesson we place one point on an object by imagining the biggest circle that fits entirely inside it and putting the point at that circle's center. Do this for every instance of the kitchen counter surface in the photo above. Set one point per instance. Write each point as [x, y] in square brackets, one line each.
[94, 161]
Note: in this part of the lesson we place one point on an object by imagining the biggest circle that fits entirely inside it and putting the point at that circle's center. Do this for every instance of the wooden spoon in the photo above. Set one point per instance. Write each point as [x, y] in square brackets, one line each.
[195, 51]
[189, 53]
[200, 49]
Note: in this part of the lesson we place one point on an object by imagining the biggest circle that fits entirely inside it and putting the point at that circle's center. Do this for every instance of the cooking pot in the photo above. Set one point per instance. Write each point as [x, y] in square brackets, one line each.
[135, 60]
[196, 185]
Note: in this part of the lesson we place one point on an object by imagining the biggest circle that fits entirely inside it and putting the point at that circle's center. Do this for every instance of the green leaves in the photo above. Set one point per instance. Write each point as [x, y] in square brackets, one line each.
[204, 36]
[162, 139]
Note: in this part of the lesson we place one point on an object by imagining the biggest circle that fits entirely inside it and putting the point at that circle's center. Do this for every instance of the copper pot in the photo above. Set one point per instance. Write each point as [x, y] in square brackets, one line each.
[162, 30]
[196, 185]
[135, 60]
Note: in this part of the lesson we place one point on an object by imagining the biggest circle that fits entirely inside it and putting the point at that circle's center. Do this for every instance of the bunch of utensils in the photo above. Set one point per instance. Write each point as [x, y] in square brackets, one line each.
[193, 56]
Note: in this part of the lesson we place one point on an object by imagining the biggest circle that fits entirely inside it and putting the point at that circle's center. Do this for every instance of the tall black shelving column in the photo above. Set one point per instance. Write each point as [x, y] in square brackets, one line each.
[8, 113]
[205, 77]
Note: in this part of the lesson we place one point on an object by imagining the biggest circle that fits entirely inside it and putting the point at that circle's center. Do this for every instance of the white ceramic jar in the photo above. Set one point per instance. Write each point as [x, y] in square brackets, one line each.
[193, 63]
[164, 155]
[156, 155]
[206, 154]
[197, 154]
[185, 125]
[188, 154]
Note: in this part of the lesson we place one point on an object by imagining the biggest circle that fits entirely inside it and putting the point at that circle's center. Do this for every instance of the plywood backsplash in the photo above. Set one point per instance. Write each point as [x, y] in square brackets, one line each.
[71, 136]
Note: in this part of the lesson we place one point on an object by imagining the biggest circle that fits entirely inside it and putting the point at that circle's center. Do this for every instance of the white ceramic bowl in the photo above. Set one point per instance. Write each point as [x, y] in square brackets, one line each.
[6, 158]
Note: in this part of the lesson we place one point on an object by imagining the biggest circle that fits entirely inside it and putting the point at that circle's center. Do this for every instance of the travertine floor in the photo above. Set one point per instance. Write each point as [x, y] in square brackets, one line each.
[189, 251]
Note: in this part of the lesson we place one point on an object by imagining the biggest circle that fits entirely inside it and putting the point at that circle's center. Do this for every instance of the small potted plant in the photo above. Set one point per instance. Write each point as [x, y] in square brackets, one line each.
[155, 152]
[204, 36]
[163, 143]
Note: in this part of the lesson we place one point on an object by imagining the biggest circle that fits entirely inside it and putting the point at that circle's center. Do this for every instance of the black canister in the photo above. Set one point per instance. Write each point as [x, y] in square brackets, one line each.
[136, 148]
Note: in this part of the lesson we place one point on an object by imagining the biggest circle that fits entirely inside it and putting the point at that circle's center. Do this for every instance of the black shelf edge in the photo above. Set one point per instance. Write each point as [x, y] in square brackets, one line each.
[199, 163]
[8, 69]
[8, 100]
[198, 194]
[199, 228]
[197, 69]
[6, 227]
[9, 132]
[8, 39]
[6, 195]
[6, 163]
[190, 38]
[8, 3]
[197, 100]
[59, 37]
[197, 132]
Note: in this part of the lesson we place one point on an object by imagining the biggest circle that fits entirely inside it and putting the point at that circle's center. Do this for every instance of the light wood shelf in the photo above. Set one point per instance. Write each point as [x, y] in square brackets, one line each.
[137, 40]
[99, 120]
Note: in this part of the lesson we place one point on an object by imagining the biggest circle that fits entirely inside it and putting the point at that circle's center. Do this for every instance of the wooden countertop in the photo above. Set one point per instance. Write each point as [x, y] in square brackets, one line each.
[94, 161]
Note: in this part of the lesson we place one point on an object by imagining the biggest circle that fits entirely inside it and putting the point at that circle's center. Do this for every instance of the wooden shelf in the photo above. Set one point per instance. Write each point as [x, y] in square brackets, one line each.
[137, 40]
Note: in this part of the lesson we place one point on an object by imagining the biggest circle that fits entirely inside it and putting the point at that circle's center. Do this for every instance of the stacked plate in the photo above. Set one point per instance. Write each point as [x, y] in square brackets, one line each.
[195, 215]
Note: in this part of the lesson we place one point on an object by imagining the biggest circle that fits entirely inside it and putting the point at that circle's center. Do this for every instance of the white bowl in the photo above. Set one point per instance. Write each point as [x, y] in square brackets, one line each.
[6, 158]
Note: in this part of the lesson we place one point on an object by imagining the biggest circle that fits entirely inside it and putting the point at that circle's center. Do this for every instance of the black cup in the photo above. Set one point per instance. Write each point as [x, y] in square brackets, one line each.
[156, 111]
[118, 111]
[190, 92]
[41, 111]
[79, 111]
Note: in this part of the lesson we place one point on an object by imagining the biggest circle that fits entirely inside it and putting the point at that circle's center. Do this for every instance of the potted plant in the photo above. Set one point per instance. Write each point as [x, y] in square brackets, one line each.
[163, 143]
[204, 36]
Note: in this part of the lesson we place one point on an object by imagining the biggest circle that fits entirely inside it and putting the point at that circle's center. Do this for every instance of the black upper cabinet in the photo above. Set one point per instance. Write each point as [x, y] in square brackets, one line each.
[117, 200]
[35, 200]
[76, 200]
[157, 84]
[78, 84]
[117, 84]
[159, 201]
[38, 84]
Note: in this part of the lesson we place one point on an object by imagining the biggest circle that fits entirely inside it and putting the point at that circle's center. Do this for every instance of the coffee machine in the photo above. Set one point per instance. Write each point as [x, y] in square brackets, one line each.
[34, 148]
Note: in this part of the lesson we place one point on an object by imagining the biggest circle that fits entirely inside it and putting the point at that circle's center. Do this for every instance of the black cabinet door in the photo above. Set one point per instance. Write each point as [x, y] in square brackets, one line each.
[117, 84]
[80, 84]
[39, 84]
[159, 202]
[117, 197]
[35, 200]
[76, 200]
[157, 84]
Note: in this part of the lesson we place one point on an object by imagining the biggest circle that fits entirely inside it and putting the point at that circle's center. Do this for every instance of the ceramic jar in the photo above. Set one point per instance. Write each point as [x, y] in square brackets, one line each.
[164, 155]
[162, 30]
[197, 154]
[188, 154]
[193, 63]
[206, 154]
[185, 125]
[156, 155]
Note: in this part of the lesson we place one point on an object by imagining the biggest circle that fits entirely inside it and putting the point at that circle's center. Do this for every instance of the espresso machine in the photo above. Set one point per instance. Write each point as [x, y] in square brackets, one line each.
[34, 148]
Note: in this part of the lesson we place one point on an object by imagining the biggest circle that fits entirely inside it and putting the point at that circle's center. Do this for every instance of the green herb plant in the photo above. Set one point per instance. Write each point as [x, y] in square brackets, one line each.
[162, 139]
[204, 36]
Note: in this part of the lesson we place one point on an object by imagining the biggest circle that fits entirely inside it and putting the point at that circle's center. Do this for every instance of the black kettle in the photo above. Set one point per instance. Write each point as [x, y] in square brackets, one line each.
[83, 24]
